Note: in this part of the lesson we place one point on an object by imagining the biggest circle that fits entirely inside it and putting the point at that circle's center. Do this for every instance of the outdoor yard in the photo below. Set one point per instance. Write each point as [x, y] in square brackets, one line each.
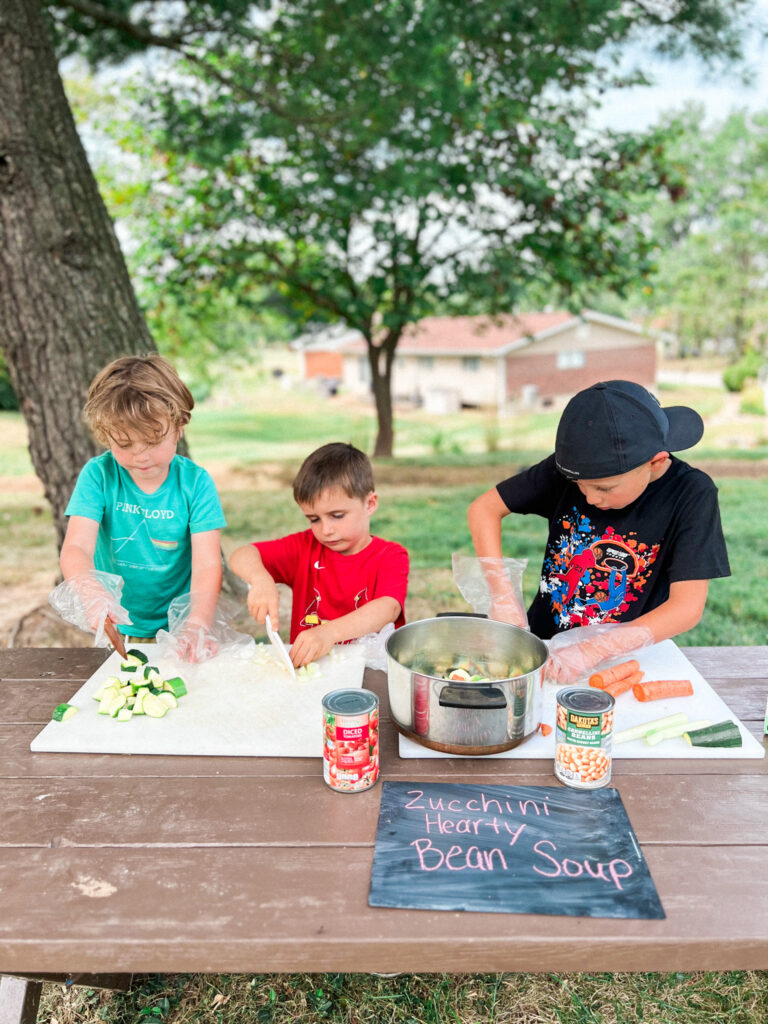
[252, 440]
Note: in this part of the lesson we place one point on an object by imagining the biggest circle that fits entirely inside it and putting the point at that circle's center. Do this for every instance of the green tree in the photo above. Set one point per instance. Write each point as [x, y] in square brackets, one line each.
[376, 162]
[713, 253]
[372, 96]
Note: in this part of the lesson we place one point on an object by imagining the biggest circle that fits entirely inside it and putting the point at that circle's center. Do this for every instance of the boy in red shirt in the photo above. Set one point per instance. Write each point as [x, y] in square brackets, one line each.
[345, 582]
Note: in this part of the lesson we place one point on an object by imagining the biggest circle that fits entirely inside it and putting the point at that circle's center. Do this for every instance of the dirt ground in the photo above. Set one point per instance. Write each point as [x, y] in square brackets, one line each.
[27, 620]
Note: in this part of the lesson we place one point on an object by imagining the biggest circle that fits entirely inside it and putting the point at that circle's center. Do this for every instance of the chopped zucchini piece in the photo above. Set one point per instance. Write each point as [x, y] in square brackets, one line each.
[168, 698]
[64, 711]
[124, 715]
[107, 698]
[721, 734]
[127, 690]
[151, 672]
[154, 707]
[176, 686]
[128, 666]
[134, 657]
[118, 704]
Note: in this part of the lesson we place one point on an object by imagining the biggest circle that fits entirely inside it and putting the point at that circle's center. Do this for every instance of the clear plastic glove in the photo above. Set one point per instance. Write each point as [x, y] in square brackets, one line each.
[492, 586]
[579, 652]
[87, 599]
[189, 639]
[374, 647]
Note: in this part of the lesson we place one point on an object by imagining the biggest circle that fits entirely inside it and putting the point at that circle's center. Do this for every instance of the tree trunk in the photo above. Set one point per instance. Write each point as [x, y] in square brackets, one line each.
[381, 385]
[67, 306]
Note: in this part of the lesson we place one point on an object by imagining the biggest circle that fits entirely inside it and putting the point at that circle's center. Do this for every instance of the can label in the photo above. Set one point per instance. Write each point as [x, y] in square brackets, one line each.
[351, 750]
[583, 737]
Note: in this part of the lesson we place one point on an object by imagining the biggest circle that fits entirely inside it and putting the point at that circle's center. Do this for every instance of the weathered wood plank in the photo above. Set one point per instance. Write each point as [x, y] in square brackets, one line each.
[250, 910]
[727, 810]
[51, 662]
[18, 762]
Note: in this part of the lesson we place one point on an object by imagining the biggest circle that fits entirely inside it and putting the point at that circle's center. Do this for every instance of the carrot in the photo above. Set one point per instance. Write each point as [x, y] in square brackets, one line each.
[545, 729]
[612, 675]
[656, 689]
[623, 685]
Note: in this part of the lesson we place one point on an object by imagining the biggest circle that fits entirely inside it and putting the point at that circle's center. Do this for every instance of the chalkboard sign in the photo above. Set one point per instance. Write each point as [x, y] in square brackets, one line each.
[513, 849]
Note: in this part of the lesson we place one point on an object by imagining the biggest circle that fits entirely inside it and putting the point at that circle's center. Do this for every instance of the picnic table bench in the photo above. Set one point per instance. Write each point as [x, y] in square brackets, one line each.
[115, 863]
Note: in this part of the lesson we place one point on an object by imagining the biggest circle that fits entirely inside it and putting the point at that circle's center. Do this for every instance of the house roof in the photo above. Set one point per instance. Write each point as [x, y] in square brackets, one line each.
[488, 336]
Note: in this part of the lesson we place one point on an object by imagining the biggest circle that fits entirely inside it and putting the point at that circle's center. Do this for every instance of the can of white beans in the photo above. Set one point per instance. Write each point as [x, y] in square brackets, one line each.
[583, 734]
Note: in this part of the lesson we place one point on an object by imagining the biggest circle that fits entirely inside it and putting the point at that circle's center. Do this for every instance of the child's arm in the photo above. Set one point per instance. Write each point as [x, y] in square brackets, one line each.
[313, 643]
[78, 547]
[205, 584]
[680, 612]
[263, 597]
[484, 517]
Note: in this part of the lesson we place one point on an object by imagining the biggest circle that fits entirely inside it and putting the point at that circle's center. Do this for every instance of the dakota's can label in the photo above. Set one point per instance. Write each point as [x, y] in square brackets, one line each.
[583, 735]
[351, 740]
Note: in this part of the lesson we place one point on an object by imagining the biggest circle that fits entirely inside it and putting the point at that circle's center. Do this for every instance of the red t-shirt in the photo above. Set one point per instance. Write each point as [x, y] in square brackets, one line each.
[327, 584]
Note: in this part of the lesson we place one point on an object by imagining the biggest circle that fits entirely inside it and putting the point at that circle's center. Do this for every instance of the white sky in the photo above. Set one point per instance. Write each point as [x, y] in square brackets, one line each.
[681, 81]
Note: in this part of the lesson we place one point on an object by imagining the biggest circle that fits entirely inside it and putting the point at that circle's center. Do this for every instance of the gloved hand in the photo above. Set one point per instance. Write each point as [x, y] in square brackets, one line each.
[189, 638]
[492, 586]
[87, 599]
[578, 652]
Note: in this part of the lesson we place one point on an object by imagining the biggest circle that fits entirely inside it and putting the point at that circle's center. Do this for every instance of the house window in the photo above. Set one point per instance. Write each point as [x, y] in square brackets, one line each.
[571, 359]
[470, 363]
[426, 362]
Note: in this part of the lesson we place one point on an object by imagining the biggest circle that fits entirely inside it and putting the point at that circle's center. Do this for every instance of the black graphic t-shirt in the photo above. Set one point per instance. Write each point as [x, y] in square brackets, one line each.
[614, 565]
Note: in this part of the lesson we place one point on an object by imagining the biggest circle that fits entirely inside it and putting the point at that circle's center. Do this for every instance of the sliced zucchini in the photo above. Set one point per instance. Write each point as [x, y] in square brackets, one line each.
[108, 696]
[134, 657]
[151, 672]
[64, 711]
[638, 732]
[721, 734]
[118, 704]
[126, 666]
[124, 715]
[176, 686]
[153, 706]
[168, 698]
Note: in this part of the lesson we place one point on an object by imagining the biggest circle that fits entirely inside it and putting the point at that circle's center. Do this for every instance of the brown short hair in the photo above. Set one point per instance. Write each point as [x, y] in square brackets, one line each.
[334, 465]
[137, 396]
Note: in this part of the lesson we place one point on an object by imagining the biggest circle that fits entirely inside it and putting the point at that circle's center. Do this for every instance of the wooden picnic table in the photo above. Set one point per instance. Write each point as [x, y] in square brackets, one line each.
[208, 864]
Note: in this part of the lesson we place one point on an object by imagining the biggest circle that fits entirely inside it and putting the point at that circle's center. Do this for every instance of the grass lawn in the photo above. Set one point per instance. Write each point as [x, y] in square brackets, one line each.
[253, 446]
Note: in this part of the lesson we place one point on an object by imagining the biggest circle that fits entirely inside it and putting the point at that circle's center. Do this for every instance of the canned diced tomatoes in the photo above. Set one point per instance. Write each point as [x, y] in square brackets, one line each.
[351, 740]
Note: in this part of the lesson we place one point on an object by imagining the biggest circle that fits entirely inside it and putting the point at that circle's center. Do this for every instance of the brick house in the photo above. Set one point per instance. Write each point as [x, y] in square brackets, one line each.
[443, 363]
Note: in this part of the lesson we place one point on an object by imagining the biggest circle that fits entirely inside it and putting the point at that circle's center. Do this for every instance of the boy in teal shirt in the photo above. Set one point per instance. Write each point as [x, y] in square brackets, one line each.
[139, 510]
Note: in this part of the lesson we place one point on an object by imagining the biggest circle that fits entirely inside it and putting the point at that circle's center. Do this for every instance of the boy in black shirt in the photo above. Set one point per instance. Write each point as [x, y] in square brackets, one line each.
[634, 533]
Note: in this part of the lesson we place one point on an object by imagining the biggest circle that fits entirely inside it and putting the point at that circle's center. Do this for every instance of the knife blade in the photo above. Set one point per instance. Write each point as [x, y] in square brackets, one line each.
[114, 637]
[277, 643]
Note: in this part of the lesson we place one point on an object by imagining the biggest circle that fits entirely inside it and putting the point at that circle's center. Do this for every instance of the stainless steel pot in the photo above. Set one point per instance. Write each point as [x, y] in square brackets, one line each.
[459, 716]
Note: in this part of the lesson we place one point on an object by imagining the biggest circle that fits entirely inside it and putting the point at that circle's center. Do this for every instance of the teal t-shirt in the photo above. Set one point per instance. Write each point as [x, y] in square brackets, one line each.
[147, 538]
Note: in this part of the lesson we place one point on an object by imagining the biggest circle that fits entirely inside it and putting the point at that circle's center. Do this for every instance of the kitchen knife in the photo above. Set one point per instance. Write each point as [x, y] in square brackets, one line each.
[277, 643]
[114, 637]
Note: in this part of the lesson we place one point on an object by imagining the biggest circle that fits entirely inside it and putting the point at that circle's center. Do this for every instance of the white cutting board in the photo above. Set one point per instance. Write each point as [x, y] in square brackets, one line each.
[234, 707]
[662, 661]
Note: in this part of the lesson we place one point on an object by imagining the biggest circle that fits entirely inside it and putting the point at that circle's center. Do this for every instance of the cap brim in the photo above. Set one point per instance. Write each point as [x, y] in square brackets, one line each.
[686, 427]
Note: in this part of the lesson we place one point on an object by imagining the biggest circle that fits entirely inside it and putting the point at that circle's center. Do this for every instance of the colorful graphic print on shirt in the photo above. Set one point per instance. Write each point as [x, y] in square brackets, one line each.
[593, 577]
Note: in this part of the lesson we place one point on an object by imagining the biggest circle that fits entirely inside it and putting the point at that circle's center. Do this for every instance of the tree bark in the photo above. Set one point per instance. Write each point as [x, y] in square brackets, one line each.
[67, 306]
[381, 385]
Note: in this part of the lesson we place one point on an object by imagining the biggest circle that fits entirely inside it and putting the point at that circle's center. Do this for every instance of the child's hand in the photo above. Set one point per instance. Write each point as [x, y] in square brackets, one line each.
[193, 644]
[312, 644]
[87, 599]
[263, 600]
[578, 651]
[506, 608]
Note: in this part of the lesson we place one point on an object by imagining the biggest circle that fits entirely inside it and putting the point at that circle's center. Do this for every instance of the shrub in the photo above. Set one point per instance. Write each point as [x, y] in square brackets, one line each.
[8, 399]
[736, 375]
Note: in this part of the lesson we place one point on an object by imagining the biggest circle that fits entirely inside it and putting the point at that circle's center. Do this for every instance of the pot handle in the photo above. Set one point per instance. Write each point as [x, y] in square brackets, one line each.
[463, 615]
[474, 698]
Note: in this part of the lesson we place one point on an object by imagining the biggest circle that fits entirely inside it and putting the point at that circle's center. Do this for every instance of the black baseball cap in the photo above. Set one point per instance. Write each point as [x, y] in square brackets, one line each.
[615, 426]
